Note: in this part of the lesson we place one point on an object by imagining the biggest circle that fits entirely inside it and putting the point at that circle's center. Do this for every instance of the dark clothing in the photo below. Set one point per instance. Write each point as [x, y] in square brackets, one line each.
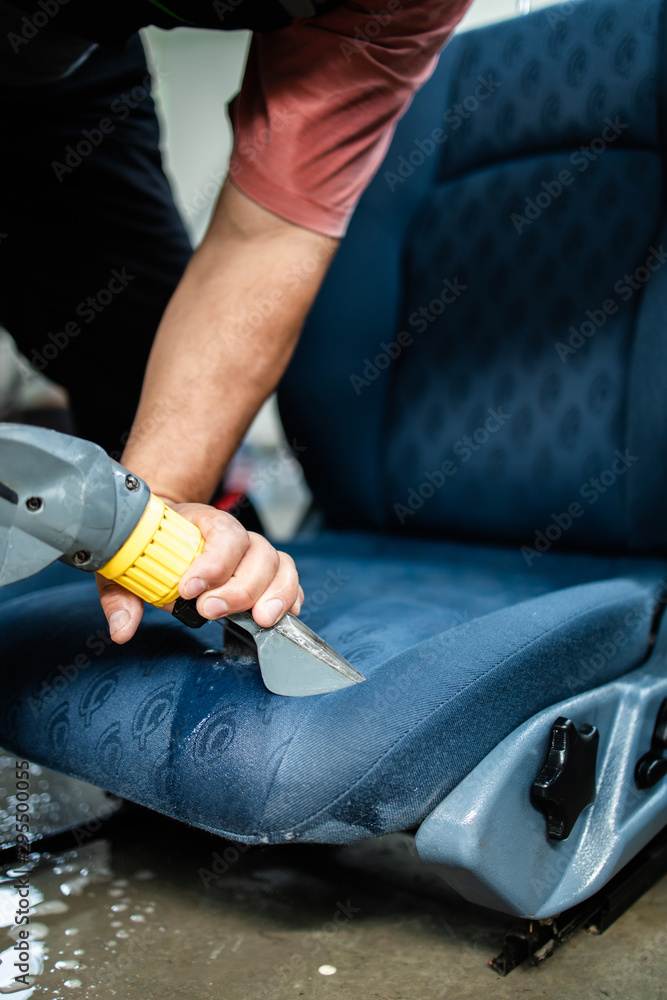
[94, 245]
[91, 243]
[112, 23]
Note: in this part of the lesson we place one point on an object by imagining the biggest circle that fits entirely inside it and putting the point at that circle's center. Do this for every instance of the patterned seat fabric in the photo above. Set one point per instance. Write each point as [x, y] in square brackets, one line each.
[486, 359]
[504, 277]
[459, 646]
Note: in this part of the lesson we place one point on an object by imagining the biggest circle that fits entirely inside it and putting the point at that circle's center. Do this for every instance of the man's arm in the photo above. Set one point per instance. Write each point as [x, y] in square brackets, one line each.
[320, 101]
[223, 343]
[312, 122]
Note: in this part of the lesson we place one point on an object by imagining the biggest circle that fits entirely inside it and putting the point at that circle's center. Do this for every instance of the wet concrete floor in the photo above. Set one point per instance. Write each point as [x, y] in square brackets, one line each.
[147, 908]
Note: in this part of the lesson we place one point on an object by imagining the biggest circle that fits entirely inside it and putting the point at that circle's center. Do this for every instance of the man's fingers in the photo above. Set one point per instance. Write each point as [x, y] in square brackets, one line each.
[265, 580]
[123, 610]
[250, 579]
[236, 571]
[280, 595]
[225, 543]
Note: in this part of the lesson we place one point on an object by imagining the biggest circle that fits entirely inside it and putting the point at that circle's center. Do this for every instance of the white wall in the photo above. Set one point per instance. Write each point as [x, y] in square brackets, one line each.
[197, 73]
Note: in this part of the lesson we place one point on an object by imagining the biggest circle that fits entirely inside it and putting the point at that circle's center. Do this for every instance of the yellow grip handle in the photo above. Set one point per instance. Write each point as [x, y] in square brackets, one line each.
[156, 555]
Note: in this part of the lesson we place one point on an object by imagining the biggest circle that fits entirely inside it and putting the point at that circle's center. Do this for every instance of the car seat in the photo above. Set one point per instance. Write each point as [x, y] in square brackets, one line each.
[478, 402]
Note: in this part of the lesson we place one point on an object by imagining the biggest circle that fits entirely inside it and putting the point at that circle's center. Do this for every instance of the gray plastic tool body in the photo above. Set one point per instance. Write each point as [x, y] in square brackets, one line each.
[64, 498]
[61, 498]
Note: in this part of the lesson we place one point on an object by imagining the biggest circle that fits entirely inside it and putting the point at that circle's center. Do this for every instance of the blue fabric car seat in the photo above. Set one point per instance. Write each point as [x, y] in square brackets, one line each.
[478, 401]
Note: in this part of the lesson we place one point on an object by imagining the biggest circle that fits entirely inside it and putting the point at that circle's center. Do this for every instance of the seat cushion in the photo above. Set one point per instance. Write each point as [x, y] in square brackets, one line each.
[459, 646]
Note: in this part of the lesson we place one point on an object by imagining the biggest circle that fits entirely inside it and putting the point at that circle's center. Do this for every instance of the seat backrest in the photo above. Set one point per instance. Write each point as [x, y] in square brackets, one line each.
[488, 355]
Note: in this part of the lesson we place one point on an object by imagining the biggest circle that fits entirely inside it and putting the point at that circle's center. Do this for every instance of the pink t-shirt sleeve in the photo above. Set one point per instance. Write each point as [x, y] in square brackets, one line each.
[320, 100]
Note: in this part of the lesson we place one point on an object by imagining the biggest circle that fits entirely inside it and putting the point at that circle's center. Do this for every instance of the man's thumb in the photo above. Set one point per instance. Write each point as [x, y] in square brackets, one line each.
[123, 610]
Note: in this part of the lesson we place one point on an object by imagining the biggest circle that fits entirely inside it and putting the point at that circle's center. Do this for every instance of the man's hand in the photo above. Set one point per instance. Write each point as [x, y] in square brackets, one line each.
[238, 570]
[222, 345]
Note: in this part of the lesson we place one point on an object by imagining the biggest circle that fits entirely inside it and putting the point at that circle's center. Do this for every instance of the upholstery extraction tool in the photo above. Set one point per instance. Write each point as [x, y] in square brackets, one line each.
[64, 498]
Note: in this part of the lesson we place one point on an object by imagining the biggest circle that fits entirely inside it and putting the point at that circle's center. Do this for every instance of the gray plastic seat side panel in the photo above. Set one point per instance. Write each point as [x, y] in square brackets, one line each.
[493, 843]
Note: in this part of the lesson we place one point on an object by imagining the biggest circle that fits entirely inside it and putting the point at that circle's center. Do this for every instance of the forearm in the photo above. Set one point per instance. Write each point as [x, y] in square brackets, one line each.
[223, 343]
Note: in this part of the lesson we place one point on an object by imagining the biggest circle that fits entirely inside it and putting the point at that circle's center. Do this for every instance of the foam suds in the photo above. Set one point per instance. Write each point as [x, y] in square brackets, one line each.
[9, 900]
[38, 931]
[8, 984]
[49, 908]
